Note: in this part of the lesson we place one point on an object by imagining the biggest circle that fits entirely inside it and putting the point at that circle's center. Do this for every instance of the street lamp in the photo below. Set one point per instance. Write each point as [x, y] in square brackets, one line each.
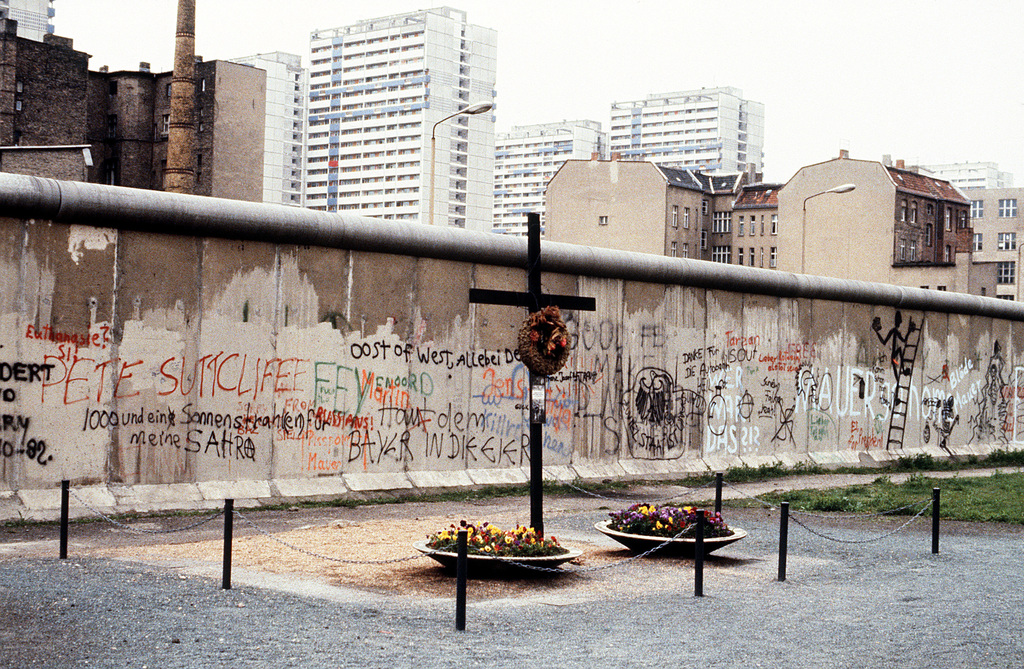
[471, 110]
[845, 188]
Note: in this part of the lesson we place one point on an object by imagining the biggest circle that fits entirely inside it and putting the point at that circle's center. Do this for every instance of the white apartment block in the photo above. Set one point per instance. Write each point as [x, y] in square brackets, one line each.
[711, 129]
[34, 17]
[283, 133]
[526, 158]
[972, 175]
[376, 90]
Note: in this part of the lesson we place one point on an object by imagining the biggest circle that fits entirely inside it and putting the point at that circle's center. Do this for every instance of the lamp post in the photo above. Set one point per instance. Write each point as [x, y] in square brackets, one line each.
[471, 110]
[845, 188]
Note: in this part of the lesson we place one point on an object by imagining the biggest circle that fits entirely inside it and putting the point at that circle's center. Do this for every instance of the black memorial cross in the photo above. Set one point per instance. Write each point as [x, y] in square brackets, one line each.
[534, 299]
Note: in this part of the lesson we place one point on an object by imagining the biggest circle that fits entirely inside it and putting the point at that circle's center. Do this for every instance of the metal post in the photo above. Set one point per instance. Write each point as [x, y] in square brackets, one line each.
[783, 539]
[229, 515]
[935, 521]
[461, 573]
[538, 398]
[718, 492]
[698, 557]
[64, 503]
[537, 401]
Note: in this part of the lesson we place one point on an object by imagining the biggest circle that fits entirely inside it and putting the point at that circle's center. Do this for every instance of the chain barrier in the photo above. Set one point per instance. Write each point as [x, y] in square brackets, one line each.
[816, 533]
[912, 505]
[623, 500]
[135, 530]
[767, 505]
[320, 556]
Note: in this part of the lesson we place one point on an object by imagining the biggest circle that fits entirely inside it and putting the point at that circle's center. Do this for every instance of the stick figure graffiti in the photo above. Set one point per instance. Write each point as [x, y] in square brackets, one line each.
[902, 364]
[941, 418]
[991, 401]
[902, 353]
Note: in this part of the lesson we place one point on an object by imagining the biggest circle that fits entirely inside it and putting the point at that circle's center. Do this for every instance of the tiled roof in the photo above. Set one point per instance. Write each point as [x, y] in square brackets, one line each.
[758, 196]
[912, 182]
[696, 180]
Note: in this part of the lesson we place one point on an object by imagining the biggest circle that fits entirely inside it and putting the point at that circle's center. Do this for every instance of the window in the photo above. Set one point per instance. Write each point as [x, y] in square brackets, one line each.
[168, 90]
[977, 208]
[962, 218]
[903, 211]
[704, 207]
[913, 212]
[1006, 272]
[672, 250]
[940, 288]
[773, 257]
[751, 256]
[1004, 297]
[913, 250]
[1008, 208]
[165, 126]
[902, 250]
[1007, 241]
[949, 219]
[948, 255]
[740, 227]
[721, 254]
[775, 226]
[675, 216]
[703, 240]
[762, 256]
[112, 87]
[686, 218]
[112, 125]
[686, 249]
[977, 241]
[928, 234]
[602, 220]
[722, 222]
[739, 255]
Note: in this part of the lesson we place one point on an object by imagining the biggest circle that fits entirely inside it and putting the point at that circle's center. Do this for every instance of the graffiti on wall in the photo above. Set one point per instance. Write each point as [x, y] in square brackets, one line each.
[381, 403]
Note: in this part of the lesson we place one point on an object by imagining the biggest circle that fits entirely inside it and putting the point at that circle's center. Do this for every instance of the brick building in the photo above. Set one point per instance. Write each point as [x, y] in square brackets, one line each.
[48, 97]
[647, 208]
[893, 226]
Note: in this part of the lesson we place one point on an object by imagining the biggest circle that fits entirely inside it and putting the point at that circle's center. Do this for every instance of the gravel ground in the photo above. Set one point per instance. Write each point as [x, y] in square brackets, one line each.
[123, 600]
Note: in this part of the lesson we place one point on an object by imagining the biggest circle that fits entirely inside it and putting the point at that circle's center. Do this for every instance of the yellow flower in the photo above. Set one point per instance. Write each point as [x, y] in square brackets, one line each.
[508, 539]
[658, 525]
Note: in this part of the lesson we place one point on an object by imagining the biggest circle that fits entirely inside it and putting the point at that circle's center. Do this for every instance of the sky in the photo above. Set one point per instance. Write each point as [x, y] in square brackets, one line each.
[924, 81]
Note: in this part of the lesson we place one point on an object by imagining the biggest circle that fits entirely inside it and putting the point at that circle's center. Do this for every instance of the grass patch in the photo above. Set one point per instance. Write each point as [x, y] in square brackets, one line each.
[996, 498]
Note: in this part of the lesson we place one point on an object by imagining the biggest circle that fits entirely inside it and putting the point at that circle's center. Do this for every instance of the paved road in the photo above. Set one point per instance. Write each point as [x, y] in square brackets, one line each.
[877, 604]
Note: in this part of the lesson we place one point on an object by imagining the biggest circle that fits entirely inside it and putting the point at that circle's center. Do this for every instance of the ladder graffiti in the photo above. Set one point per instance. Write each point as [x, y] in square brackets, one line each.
[903, 353]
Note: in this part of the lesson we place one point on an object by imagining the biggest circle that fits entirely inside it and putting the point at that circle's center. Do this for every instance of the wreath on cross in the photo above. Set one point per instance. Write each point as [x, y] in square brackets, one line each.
[544, 341]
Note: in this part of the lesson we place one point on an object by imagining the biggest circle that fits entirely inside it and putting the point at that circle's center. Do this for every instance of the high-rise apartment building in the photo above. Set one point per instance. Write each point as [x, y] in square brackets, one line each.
[378, 89]
[34, 17]
[283, 133]
[526, 158]
[711, 129]
[972, 175]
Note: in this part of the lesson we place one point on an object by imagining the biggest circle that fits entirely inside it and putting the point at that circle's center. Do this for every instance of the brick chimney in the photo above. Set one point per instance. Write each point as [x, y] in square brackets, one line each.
[900, 165]
[844, 154]
[180, 175]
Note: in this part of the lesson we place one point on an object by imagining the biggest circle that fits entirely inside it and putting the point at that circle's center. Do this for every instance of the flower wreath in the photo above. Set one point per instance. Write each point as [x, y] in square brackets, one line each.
[544, 341]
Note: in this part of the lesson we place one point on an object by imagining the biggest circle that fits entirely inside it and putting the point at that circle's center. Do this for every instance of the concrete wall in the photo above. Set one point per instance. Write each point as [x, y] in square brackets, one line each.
[166, 351]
